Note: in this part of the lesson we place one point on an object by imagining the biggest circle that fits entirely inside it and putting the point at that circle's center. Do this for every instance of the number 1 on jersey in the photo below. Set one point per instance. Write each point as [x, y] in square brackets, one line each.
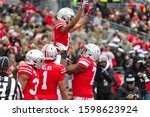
[44, 86]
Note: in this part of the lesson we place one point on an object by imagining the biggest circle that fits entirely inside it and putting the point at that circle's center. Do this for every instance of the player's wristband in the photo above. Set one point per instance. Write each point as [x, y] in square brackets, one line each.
[89, 11]
[64, 54]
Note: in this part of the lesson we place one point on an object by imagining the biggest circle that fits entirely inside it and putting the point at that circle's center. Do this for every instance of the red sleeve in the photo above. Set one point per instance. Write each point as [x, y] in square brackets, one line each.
[62, 73]
[25, 70]
[148, 86]
[83, 63]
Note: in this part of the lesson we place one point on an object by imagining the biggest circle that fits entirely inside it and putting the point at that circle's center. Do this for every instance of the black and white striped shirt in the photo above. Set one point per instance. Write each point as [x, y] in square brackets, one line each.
[10, 89]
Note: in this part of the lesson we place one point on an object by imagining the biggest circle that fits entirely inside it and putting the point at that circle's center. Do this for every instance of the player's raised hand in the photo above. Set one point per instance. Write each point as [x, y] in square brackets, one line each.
[84, 3]
[91, 5]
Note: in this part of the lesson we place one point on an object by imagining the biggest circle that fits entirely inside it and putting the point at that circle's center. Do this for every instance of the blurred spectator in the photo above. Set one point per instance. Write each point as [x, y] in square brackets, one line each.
[49, 19]
[107, 32]
[111, 57]
[138, 72]
[103, 8]
[128, 90]
[4, 51]
[13, 63]
[97, 21]
[29, 7]
[147, 65]
[119, 57]
[104, 79]
[20, 56]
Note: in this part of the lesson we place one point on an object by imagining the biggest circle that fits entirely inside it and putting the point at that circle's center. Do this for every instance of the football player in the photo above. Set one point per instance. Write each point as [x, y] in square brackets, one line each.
[28, 73]
[84, 72]
[69, 22]
[51, 76]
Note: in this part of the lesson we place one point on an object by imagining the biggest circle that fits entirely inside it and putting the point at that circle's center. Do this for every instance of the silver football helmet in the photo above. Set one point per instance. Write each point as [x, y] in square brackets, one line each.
[65, 14]
[35, 57]
[92, 51]
[49, 51]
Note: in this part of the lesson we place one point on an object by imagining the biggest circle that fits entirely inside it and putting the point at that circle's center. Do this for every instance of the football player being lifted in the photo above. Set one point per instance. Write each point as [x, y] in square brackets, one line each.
[69, 22]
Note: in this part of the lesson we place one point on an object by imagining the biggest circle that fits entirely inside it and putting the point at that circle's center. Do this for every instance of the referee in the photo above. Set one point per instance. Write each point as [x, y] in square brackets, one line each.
[10, 89]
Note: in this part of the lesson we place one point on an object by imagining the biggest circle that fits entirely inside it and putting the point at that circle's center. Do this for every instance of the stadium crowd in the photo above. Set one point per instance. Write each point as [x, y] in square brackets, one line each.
[24, 27]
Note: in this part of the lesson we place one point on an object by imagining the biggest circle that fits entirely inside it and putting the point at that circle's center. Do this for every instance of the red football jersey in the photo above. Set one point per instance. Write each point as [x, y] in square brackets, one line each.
[82, 82]
[32, 84]
[49, 76]
[63, 38]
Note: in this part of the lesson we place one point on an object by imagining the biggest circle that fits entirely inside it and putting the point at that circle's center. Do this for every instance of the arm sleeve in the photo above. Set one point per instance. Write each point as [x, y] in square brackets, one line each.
[83, 63]
[25, 70]
[62, 73]
[108, 75]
